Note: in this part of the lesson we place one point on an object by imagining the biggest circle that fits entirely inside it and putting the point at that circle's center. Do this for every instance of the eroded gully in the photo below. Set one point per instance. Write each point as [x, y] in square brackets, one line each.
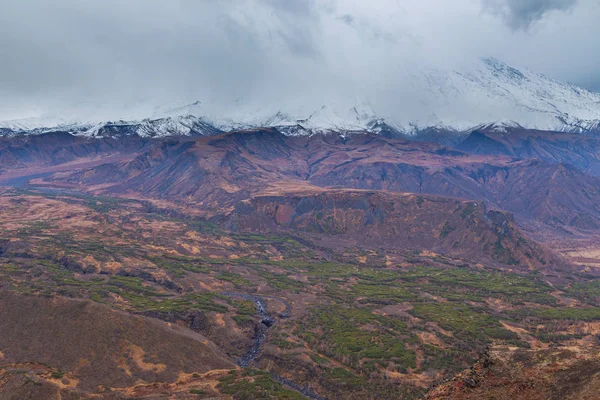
[260, 337]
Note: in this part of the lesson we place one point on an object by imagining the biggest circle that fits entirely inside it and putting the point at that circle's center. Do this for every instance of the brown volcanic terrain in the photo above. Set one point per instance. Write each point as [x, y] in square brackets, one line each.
[417, 315]
[218, 172]
[385, 220]
[55, 148]
[97, 348]
[212, 171]
[385, 266]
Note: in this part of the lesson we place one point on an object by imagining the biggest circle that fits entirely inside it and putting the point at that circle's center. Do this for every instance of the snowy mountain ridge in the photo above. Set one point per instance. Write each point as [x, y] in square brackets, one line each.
[485, 93]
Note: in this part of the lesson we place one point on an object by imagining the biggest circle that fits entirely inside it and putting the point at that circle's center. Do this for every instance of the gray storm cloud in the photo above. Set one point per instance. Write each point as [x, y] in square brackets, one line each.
[520, 14]
[114, 58]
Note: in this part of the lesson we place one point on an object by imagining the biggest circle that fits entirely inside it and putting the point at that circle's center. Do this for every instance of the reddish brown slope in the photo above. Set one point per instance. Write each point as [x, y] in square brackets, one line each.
[393, 221]
[214, 171]
[54, 148]
[556, 195]
[94, 345]
[218, 172]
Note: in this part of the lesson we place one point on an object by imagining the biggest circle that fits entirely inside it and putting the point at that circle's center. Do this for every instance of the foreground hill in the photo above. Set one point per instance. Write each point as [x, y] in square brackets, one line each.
[74, 348]
[565, 374]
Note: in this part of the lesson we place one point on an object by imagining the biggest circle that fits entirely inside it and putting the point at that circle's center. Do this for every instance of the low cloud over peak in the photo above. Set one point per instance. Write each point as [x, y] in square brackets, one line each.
[115, 58]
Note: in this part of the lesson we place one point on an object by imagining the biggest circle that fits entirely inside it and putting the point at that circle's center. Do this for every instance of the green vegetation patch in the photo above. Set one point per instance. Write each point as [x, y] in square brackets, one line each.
[344, 377]
[463, 320]
[252, 384]
[467, 284]
[562, 313]
[57, 374]
[588, 292]
[379, 293]
[236, 279]
[446, 230]
[179, 264]
[350, 334]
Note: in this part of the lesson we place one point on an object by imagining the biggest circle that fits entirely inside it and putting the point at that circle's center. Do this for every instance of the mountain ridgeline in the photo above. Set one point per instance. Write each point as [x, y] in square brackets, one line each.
[472, 200]
[553, 185]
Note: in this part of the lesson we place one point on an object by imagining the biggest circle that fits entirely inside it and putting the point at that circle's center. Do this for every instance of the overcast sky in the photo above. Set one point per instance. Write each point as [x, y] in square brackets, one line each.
[101, 56]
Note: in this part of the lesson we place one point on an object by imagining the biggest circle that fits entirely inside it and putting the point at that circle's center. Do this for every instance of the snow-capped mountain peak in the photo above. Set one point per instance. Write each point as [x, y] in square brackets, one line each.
[486, 93]
[499, 126]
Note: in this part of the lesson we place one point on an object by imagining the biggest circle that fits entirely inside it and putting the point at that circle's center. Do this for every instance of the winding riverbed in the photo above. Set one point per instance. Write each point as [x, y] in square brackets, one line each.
[260, 337]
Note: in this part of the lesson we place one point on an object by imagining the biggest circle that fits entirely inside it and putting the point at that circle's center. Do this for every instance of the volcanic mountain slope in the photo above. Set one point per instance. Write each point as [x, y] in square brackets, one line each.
[259, 158]
[182, 125]
[555, 195]
[166, 126]
[55, 148]
[218, 172]
[213, 171]
[550, 374]
[73, 346]
[582, 151]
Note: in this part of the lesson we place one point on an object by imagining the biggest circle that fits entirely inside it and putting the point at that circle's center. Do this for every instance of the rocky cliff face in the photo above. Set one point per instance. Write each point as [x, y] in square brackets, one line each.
[369, 219]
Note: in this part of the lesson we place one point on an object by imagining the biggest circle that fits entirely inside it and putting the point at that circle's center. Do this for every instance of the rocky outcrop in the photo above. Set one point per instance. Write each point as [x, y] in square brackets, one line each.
[383, 220]
[521, 374]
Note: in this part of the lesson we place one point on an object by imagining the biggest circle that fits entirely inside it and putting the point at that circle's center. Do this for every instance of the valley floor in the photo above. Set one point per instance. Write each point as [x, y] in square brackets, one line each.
[347, 323]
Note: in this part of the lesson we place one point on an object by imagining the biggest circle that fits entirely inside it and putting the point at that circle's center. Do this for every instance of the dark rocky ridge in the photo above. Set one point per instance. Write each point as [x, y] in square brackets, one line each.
[220, 171]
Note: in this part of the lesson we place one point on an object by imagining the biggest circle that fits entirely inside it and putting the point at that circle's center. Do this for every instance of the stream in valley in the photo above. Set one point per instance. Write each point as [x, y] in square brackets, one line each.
[260, 337]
